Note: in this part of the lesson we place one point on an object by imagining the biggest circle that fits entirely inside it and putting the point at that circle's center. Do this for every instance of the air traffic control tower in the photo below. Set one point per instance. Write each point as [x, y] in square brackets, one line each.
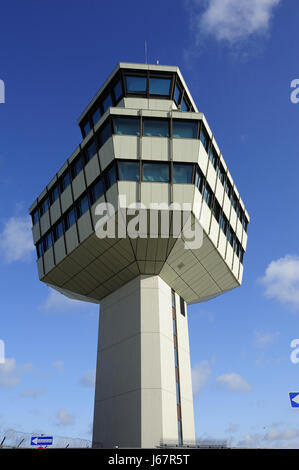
[142, 139]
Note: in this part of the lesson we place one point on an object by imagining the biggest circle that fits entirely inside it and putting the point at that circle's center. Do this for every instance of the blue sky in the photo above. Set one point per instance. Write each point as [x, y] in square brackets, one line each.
[238, 59]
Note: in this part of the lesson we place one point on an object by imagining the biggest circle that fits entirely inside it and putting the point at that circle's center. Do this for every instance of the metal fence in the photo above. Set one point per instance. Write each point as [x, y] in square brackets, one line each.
[16, 439]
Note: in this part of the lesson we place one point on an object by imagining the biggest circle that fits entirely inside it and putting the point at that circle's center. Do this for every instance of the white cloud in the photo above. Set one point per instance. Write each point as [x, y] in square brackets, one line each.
[264, 339]
[64, 418]
[32, 393]
[88, 379]
[11, 374]
[281, 280]
[234, 382]
[16, 242]
[230, 20]
[200, 375]
[59, 365]
[59, 302]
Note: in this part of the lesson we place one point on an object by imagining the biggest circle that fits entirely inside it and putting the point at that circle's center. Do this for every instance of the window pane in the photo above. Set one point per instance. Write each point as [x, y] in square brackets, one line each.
[126, 126]
[66, 180]
[105, 133]
[152, 127]
[96, 116]
[176, 359]
[159, 86]
[39, 249]
[86, 128]
[59, 230]
[45, 205]
[83, 206]
[177, 393]
[156, 172]
[48, 241]
[128, 171]
[182, 304]
[177, 95]
[54, 193]
[35, 216]
[204, 137]
[207, 195]
[198, 180]
[97, 191]
[182, 173]
[77, 166]
[184, 129]
[90, 150]
[110, 177]
[107, 103]
[70, 218]
[136, 84]
[118, 91]
[213, 156]
[184, 106]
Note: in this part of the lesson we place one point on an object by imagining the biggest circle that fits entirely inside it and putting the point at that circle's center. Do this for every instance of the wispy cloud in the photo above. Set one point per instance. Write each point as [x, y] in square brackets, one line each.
[16, 240]
[64, 418]
[88, 379]
[59, 365]
[11, 373]
[32, 393]
[200, 375]
[235, 382]
[56, 302]
[264, 339]
[281, 281]
[230, 21]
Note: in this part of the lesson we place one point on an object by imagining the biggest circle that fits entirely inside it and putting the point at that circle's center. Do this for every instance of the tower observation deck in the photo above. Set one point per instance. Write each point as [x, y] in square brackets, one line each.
[143, 218]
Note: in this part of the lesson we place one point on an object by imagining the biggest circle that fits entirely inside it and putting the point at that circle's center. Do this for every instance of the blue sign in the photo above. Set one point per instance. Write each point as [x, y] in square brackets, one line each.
[41, 440]
[294, 397]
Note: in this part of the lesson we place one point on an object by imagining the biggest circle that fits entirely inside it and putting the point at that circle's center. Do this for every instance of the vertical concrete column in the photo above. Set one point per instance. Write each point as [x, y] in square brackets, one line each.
[135, 397]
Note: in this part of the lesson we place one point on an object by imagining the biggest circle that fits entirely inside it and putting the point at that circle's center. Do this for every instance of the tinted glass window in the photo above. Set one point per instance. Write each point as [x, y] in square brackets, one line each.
[152, 127]
[70, 218]
[91, 149]
[198, 180]
[207, 195]
[45, 205]
[54, 193]
[107, 102]
[97, 190]
[223, 223]
[182, 173]
[59, 230]
[159, 86]
[204, 137]
[83, 206]
[184, 105]
[66, 180]
[128, 171]
[156, 172]
[39, 249]
[177, 95]
[136, 84]
[110, 177]
[117, 91]
[96, 115]
[184, 129]
[77, 166]
[105, 133]
[86, 128]
[213, 156]
[126, 126]
[48, 242]
[35, 216]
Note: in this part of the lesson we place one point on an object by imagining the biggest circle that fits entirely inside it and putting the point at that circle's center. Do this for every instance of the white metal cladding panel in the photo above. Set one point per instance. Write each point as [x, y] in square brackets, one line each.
[36, 232]
[233, 219]
[106, 153]
[44, 223]
[185, 150]
[219, 192]
[239, 230]
[240, 276]
[128, 189]
[59, 250]
[40, 267]
[155, 148]
[203, 159]
[211, 177]
[229, 255]
[66, 199]
[155, 192]
[222, 243]
[235, 267]
[84, 226]
[244, 240]
[48, 260]
[126, 146]
[55, 211]
[92, 170]
[95, 217]
[214, 231]
[78, 185]
[205, 217]
[71, 238]
[226, 206]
